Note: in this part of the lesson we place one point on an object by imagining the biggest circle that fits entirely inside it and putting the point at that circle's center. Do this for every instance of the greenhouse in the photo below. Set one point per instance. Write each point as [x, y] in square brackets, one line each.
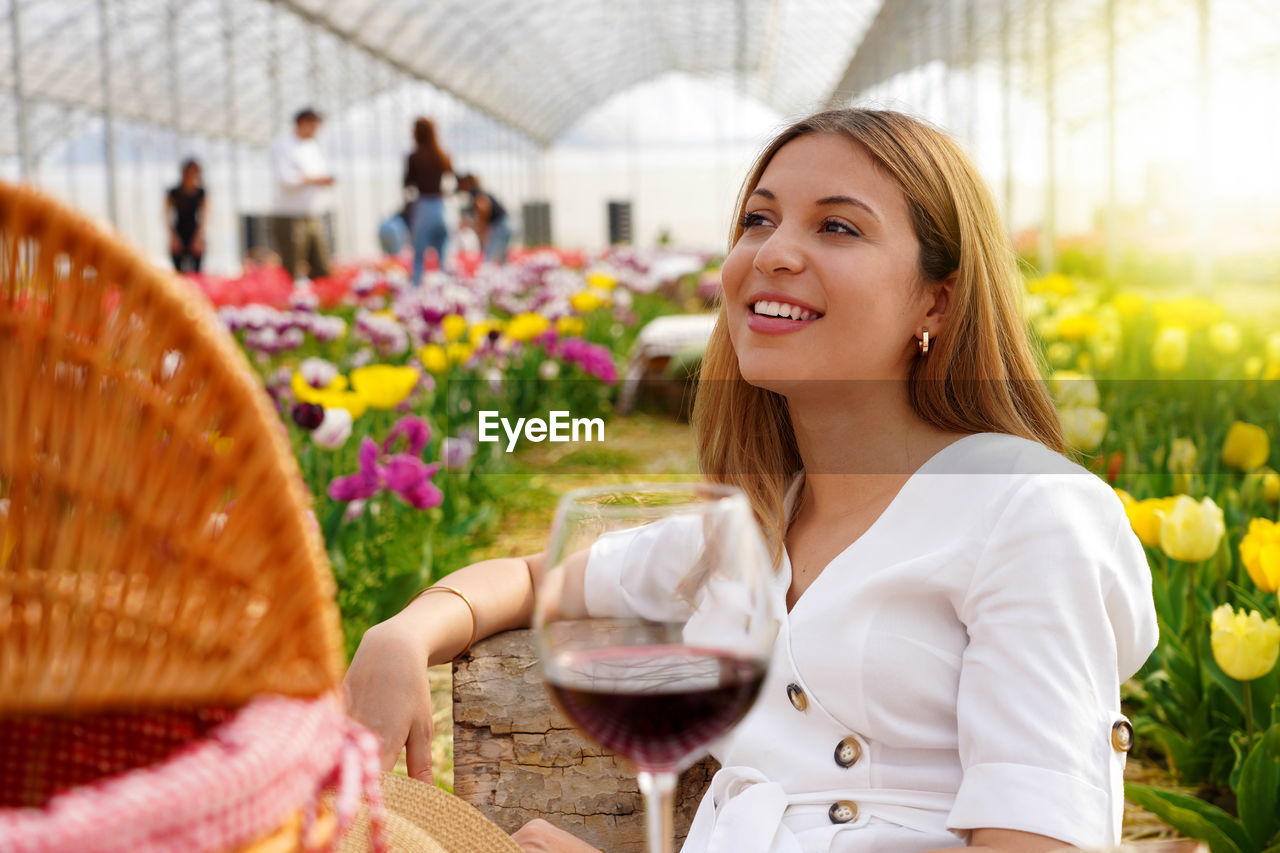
[620, 325]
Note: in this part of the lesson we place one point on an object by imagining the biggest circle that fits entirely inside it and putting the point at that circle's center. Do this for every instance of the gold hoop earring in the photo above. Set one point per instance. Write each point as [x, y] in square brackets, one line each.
[924, 343]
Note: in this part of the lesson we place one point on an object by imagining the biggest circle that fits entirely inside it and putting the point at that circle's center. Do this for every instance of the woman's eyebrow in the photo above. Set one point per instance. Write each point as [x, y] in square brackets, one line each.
[826, 201]
[844, 199]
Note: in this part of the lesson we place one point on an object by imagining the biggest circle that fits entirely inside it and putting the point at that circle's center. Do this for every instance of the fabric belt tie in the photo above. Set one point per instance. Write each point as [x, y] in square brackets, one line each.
[743, 813]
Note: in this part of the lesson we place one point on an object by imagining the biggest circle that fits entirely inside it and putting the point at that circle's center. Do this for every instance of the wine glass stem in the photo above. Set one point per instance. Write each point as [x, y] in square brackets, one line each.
[659, 791]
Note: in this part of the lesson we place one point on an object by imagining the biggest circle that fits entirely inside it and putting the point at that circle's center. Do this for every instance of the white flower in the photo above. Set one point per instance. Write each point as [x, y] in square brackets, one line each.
[1071, 388]
[317, 372]
[549, 369]
[1083, 426]
[334, 430]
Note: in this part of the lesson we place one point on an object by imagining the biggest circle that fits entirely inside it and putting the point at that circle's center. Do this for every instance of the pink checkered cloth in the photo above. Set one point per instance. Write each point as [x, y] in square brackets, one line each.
[238, 783]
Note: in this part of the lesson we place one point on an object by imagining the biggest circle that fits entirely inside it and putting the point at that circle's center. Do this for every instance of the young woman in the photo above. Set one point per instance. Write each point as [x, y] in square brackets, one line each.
[424, 171]
[962, 601]
[184, 211]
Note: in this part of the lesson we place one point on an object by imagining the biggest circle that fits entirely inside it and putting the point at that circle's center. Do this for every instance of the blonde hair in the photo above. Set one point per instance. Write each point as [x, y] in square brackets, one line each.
[981, 376]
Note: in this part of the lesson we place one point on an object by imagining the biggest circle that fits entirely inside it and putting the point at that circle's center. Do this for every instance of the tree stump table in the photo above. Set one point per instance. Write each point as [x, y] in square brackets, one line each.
[516, 757]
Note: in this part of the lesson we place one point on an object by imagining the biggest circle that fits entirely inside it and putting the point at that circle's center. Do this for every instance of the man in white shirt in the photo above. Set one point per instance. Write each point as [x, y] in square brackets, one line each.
[302, 179]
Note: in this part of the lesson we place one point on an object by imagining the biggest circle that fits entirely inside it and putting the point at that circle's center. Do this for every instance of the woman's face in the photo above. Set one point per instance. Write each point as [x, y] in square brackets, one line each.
[191, 176]
[828, 245]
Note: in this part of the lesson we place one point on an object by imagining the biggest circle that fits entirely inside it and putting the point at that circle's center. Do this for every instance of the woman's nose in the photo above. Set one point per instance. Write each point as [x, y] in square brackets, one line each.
[780, 253]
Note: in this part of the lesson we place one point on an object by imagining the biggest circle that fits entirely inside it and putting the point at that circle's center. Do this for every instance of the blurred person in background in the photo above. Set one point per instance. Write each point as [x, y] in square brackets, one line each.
[184, 210]
[424, 172]
[302, 178]
[485, 215]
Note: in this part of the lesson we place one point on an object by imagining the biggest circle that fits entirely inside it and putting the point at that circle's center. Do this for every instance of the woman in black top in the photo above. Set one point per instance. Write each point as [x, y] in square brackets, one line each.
[184, 209]
[423, 173]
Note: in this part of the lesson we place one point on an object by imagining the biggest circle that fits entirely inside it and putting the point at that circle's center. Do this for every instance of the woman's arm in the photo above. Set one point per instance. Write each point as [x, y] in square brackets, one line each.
[386, 685]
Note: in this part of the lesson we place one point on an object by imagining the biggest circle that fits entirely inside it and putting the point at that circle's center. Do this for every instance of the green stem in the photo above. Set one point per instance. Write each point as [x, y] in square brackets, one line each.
[1248, 717]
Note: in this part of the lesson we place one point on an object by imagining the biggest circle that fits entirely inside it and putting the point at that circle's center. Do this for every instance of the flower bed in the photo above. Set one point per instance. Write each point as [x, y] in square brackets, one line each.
[379, 385]
[1174, 401]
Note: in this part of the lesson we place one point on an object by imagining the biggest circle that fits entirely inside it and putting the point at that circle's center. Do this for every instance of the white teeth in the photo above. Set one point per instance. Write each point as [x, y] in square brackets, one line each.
[783, 309]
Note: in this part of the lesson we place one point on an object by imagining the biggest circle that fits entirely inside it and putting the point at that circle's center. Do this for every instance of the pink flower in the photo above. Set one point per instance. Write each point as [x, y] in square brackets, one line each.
[403, 474]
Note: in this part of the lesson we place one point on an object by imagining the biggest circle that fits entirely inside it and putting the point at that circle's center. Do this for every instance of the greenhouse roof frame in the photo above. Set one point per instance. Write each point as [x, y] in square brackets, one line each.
[236, 69]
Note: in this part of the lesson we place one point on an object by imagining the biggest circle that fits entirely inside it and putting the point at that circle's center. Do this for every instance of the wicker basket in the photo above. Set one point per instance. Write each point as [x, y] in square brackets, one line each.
[169, 640]
[157, 544]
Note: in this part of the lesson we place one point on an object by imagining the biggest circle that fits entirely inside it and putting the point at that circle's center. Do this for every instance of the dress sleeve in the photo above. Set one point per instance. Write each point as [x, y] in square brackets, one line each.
[1059, 612]
[631, 572]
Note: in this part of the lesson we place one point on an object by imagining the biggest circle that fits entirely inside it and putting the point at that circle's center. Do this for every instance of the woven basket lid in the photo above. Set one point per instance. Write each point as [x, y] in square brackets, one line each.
[156, 543]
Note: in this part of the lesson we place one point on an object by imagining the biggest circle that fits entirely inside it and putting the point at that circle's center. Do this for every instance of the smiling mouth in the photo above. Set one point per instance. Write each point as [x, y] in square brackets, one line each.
[783, 309]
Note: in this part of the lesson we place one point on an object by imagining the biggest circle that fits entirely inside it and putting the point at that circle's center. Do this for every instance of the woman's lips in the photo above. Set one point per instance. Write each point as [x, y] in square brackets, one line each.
[776, 325]
[773, 316]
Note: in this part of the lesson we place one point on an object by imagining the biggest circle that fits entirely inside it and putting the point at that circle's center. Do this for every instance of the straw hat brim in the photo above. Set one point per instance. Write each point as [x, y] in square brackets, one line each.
[421, 817]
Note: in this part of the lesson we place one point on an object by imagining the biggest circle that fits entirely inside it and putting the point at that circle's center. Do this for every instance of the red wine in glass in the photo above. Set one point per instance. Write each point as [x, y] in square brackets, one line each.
[658, 705]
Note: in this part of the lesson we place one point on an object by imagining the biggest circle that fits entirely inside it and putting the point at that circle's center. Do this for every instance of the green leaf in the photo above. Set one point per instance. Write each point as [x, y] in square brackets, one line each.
[1258, 796]
[1191, 816]
[329, 530]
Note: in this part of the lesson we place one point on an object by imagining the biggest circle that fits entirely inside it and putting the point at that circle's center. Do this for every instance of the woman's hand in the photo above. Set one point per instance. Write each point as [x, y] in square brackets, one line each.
[387, 690]
[538, 836]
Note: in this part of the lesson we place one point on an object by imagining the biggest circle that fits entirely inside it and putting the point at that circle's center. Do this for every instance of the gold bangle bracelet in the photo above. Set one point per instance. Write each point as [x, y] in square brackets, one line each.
[475, 623]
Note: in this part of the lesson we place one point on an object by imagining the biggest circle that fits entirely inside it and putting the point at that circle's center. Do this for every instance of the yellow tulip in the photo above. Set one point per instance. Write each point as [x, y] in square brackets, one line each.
[1191, 531]
[479, 333]
[1192, 312]
[586, 301]
[306, 393]
[384, 386]
[567, 327]
[1055, 283]
[1246, 446]
[1077, 327]
[1271, 486]
[526, 326]
[459, 352]
[1071, 388]
[1260, 553]
[1083, 426]
[1129, 305]
[1182, 456]
[1225, 338]
[1145, 517]
[601, 279]
[352, 401]
[1125, 498]
[454, 326]
[1059, 353]
[1273, 347]
[433, 358]
[1169, 352]
[1244, 644]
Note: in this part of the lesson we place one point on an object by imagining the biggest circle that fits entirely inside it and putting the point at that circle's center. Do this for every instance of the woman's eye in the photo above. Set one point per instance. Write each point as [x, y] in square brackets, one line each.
[835, 226]
[750, 219]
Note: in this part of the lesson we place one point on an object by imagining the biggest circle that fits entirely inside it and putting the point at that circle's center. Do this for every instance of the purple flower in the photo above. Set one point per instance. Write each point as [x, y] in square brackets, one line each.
[307, 415]
[364, 483]
[415, 432]
[403, 474]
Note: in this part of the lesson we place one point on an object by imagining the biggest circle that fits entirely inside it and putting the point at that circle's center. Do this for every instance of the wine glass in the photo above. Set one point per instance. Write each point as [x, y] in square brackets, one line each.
[655, 623]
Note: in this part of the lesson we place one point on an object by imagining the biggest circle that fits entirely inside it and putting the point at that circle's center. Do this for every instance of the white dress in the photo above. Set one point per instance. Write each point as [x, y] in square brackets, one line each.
[958, 666]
